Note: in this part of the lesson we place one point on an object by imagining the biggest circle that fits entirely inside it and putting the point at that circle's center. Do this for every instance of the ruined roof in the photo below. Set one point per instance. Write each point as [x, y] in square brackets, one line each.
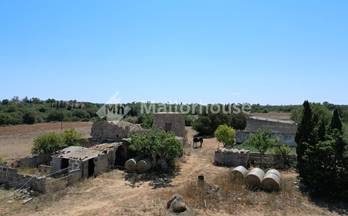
[106, 147]
[77, 153]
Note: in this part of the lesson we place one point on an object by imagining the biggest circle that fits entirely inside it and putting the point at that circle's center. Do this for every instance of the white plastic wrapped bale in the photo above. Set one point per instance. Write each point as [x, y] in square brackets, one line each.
[271, 180]
[239, 173]
[255, 177]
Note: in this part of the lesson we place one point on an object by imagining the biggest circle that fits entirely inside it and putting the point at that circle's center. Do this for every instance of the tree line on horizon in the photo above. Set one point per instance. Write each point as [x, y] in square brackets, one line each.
[34, 110]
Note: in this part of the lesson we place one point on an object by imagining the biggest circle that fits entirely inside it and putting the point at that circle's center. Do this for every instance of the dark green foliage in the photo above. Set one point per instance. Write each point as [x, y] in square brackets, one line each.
[203, 125]
[55, 116]
[29, 118]
[322, 154]
[189, 119]
[146, 121]
[336, 122]
[81, 114]
[156, 144]
[207, 124]
[238, 121]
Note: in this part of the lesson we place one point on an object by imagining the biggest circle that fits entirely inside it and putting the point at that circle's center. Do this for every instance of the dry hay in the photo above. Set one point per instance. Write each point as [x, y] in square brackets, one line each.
[254, 177]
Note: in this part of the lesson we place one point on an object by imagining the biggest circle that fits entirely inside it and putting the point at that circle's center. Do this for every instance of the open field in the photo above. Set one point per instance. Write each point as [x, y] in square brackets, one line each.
[274, 115]
[118, 193]
[16, 141]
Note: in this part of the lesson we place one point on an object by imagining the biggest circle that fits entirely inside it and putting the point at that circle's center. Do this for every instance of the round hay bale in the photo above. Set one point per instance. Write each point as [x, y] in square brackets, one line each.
[254, 177]
[131, 165]
[271, 181]
[274, 171]
[239, 173]
[143, 166]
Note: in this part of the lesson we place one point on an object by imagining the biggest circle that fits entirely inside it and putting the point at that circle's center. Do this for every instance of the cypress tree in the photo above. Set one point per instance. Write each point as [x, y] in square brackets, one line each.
[304, 136]
[336, 122]
[322, 131]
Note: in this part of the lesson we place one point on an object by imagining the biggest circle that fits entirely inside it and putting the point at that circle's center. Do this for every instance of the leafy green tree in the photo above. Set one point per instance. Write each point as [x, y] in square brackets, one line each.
[238, 121]
[226, 135]
[262, 140]
[203, 125]
[156, 144]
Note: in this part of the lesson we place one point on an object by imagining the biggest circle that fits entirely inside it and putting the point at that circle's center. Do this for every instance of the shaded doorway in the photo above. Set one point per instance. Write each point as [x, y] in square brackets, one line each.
[91, 167]
[64, 163]
[121, 157]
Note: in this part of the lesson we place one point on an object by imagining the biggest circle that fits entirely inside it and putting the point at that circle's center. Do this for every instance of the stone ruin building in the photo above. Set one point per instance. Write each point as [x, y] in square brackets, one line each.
[108, 131]
[170, 122]
[284, 130]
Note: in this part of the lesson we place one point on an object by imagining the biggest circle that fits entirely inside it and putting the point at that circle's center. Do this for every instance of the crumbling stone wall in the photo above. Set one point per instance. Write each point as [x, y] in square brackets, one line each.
[12, 178]
[33, 160]
[105, 131]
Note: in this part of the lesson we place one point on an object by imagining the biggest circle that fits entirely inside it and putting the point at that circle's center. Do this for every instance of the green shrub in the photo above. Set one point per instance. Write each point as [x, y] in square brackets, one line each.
[55, 116]
[71, 137]
[48, 143]
[51, 142]
[189, 119]
[29, 118]
[203, 125]
[146, 121]
[226, 135]
[82, 114]
[262, 140]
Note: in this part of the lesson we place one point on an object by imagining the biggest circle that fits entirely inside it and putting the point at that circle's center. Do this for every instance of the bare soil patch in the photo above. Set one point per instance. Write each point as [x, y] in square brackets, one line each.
[17, 141]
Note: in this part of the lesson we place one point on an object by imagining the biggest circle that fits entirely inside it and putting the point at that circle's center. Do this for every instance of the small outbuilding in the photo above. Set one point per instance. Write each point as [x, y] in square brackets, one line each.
[171, 122]
[87, 162]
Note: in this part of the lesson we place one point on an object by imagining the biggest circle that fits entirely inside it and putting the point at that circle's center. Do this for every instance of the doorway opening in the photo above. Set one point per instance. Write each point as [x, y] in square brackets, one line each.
[91, 167]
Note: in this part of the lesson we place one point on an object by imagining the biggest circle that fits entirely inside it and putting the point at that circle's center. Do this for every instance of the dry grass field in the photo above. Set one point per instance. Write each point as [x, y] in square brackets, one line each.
[16, 141]
[118, 193]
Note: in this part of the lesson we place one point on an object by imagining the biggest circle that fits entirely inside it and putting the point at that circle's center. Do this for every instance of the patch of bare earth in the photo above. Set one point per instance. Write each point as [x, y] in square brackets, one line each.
[111, 194]
[274, 115]
[17, 141]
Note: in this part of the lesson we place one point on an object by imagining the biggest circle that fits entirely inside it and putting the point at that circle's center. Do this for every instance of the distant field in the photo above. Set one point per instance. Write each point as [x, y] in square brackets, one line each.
[16, 141]
[274, 115]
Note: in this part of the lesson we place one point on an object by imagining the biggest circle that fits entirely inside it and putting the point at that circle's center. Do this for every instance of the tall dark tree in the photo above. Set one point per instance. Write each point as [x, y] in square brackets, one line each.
[305, 136]
[322, 131]
[336, 122]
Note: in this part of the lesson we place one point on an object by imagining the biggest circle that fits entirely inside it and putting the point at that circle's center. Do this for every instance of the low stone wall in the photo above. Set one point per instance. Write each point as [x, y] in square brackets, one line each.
[12, 178]
[271, 161]
[33, 161]
[233, 159]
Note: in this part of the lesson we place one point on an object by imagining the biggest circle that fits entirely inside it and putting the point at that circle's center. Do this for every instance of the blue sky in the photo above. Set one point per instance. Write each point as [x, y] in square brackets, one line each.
[268, 52]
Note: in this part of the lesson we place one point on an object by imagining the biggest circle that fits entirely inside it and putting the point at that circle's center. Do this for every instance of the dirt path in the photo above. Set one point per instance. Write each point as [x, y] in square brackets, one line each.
[17, 141]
